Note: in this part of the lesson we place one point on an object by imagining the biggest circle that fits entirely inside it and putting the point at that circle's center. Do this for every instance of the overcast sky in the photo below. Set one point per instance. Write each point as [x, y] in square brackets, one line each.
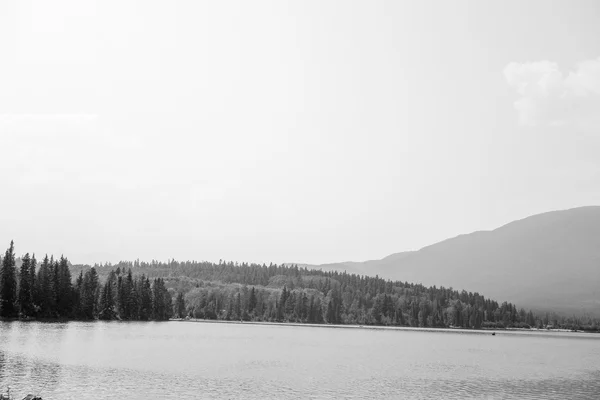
[305, 131]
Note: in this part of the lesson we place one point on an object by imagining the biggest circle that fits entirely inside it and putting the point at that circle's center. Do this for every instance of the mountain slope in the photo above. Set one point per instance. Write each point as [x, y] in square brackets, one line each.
[546, 261]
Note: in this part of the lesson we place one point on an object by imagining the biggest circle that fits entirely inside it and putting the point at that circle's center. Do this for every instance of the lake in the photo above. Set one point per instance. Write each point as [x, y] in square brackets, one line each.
[193, 360]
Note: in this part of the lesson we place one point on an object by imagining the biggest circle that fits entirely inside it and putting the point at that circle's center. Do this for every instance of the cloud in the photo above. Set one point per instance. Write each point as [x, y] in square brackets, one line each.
[550, 98]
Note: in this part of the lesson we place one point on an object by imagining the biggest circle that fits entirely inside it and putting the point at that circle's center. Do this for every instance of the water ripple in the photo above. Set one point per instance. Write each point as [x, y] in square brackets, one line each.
[141, 361]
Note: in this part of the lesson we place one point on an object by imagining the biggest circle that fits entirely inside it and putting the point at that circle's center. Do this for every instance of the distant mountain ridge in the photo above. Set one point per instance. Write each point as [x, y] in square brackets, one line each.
[545, 261]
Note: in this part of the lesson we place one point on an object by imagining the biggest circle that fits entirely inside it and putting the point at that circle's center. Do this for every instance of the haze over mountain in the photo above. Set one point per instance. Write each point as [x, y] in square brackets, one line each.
[546, 261]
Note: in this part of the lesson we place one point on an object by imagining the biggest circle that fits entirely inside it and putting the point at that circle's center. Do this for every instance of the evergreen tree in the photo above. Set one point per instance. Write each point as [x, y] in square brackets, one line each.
[8, 284]
[89, 294]
[25, 288]
[120, 298]
[32, 284]
[64, 288]
[169, 303]
[145, 296]
[162, 307]
[77, 296]
[126, 308]
[55, 286]
[43, 289]
[106, 306]
[133, 299]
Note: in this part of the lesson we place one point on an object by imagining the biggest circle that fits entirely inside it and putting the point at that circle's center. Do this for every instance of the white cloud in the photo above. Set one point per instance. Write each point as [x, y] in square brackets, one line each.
[548, 97]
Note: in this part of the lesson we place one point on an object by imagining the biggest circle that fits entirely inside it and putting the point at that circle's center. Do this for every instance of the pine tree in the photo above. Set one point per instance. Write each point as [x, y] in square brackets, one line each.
[133, 299]
[145, 296]
[106, 307]
[25, 293]
[43, 288]
[162, 306]
[169, 303]
[55, 287]
[64, 288]
[125, 287]
[32, 283]
[89, 294]
[120, 297]
[8, 284]
[77, 296]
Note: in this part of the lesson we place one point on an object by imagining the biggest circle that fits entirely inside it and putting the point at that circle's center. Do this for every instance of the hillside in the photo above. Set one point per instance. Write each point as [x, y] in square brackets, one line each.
[546, 261]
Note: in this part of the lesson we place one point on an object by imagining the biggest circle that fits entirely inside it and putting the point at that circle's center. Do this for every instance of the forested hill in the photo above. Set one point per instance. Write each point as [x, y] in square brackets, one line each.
[235, 291]
[548, 261]
[53, 288]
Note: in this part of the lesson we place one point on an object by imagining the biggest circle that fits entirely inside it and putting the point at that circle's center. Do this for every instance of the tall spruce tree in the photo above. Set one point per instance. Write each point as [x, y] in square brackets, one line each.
[145, 296]
[162, 307]
[132, 300]
[25, 288]
[107, 308]
[169, 302]
[55, 292]
[89, 294]
[42, 288]
[32, 282]
[8, 284]
[121, 297]
[64, 289]
[77, 296]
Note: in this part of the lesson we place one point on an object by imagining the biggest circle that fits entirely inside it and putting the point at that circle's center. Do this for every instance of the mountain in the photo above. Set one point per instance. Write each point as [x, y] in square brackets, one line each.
[548, 261]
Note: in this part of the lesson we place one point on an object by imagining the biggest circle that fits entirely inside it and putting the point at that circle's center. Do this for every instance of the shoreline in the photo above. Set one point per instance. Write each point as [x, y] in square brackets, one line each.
[511, 331]
[494, 331]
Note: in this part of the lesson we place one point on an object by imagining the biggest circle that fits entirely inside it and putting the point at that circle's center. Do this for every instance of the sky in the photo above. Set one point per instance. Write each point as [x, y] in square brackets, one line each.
[301, 131]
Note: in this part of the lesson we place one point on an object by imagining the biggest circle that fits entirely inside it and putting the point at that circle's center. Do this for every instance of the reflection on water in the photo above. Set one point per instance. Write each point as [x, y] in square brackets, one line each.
[179, 360]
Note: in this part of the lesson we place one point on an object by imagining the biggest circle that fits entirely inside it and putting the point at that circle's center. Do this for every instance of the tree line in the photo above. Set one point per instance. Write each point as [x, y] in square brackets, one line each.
[47, 291]
[134, 290]
[288, 293]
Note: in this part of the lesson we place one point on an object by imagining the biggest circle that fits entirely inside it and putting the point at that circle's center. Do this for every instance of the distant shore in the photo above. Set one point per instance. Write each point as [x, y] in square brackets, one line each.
[391, 328]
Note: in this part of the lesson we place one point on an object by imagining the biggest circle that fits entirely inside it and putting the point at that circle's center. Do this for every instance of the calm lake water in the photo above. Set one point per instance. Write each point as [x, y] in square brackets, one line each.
[190, 360]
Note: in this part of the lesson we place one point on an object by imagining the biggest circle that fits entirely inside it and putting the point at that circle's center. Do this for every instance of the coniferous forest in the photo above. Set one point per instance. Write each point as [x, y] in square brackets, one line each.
[47, 290]
[53, 288]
